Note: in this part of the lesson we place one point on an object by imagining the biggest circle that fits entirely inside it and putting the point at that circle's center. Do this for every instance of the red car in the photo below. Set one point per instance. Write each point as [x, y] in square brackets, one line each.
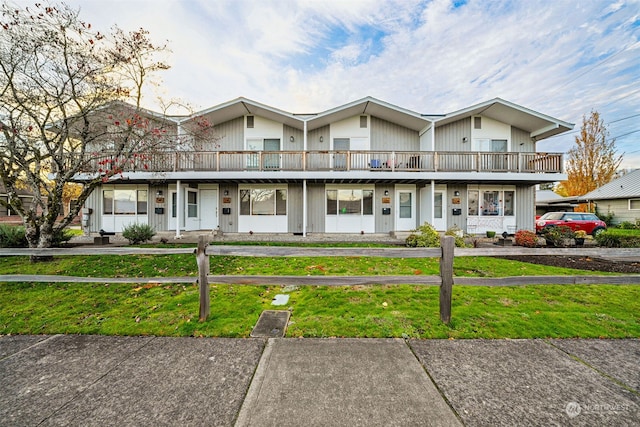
[588, 222]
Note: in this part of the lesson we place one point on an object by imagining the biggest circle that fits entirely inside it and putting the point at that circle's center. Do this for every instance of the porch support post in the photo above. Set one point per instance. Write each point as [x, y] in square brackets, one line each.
[433, 202]
[304, 208]
[178, 205]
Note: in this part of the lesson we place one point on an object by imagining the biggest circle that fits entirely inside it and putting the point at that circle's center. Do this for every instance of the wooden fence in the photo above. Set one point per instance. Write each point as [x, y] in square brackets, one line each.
[444, 280]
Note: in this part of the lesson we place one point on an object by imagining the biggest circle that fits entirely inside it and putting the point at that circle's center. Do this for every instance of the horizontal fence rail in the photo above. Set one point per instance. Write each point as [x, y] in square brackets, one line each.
[378, 161]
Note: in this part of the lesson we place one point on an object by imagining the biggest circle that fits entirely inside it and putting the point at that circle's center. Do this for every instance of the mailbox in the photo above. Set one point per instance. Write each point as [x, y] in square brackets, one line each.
[386, 211]
[456, 211]
[159, 211]
[226, 211]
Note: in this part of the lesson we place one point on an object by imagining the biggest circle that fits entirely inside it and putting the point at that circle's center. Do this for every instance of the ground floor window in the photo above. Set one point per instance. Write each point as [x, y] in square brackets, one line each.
[491, 202]
[263, 201]
[124, 201]
[349, 201]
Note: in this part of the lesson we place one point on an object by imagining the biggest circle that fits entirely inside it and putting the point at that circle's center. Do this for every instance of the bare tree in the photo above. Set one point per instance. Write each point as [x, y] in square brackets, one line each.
[67, 94]
[593, 161]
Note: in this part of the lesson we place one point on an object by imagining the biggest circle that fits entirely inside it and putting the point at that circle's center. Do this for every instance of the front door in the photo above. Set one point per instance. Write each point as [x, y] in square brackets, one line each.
[439, 209]
[209, 209]
[405, 208]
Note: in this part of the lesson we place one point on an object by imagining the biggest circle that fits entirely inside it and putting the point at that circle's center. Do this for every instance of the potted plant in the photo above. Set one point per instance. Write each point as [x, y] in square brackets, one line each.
[580, 236]
[491, 234]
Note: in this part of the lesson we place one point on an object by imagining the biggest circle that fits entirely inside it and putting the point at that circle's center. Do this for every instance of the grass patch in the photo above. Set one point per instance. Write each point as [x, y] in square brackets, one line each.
[540, 311]
[185, 265]
[357, 311]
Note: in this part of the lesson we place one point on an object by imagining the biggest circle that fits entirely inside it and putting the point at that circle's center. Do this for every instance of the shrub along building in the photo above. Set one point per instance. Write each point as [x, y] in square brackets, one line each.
[364, 167]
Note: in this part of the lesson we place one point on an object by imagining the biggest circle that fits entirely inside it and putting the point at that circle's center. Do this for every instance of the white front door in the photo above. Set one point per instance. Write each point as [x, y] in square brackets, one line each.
[439, 209]
[405, 208]
[209, 209]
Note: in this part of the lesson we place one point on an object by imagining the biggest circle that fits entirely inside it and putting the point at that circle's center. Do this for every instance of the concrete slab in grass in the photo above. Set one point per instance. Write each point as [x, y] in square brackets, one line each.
[354, 382]
[271, 324]
[171, 381]
[523, 382]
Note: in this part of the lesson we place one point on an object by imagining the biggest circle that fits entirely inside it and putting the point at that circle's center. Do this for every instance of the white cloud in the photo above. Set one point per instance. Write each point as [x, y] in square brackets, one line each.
[561, 58]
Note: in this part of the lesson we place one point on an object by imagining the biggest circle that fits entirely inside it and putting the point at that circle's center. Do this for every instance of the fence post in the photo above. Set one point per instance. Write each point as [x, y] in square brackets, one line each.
[203, 282]
[447, 244]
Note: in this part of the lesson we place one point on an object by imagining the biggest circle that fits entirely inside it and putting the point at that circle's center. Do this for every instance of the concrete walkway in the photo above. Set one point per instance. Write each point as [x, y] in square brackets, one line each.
[151, 381]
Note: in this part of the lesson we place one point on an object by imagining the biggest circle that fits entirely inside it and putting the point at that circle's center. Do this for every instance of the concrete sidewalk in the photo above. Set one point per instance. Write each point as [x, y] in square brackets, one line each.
[152, 381]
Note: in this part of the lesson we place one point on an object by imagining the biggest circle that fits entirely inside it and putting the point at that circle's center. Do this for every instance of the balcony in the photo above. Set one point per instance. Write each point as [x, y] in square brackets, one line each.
[301, 161]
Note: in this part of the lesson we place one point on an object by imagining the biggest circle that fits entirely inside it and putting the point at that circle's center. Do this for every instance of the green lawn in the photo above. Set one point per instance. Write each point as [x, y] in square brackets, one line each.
[356, 311]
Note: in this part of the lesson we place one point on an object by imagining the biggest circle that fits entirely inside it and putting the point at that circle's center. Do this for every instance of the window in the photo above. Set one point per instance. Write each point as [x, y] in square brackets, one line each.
[107, 202]
[263, 201]
[349, 201]
[634, 204]
[472, 198]
[491, 202]
[477, 122]
[437, 205]
[192, 204]
[489, 145]
[124, 201]
[250, 122]
[363, 122]
[142, 202]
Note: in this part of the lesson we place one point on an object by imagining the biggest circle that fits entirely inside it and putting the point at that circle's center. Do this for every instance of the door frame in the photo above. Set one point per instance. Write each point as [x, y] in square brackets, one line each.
[405, 224]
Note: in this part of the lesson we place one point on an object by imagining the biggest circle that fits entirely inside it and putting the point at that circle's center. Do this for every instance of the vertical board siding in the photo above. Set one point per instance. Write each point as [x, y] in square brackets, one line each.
[521, 141]
[315, 211]
[229, 223]
[94, 201]
[159, 222]
[313, 139]
[294, 208]
[384, 223]
[231, 136]
[389, 136]
[298, 139]
[525, 207]
[449, 137]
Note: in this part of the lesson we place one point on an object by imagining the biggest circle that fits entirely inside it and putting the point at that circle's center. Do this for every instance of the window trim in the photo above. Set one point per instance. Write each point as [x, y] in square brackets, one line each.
[634, 200]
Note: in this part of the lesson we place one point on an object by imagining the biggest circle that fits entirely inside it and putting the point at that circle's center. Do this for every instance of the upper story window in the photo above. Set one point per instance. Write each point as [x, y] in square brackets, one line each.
[250, 122]
[363, 122]
[477, 122]
[490, 145]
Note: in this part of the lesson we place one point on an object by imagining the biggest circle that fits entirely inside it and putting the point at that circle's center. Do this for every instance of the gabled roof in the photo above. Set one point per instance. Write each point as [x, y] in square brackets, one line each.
[538, 125]
[240, 107]
[371, 106]
[625, 187]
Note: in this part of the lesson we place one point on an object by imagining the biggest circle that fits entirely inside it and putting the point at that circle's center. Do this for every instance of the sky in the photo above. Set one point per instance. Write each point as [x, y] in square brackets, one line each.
[558, 57]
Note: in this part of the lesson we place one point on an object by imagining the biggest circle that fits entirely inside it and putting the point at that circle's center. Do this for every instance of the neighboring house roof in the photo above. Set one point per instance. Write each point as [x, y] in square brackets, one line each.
[539, 126]
[625, 187]
[550, 198]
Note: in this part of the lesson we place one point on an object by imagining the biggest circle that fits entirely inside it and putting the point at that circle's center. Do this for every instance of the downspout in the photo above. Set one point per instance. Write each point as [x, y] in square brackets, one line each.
[304, 183]
[178, 204]
[178, 198]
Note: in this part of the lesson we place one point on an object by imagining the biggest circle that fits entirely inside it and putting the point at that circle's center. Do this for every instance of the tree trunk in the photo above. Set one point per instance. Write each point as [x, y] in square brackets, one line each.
[38, 237]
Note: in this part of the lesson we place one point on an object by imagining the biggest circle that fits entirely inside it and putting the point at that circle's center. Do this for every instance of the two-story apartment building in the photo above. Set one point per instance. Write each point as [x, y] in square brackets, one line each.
[364, 167]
